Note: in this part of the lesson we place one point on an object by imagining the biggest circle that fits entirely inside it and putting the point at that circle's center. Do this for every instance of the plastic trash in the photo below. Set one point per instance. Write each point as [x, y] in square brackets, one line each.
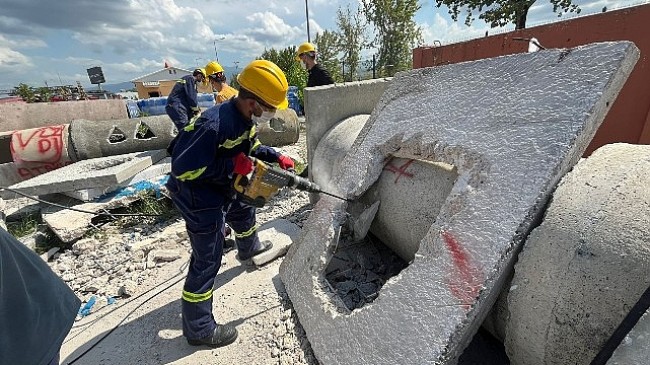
[85, 310]
[110, 300]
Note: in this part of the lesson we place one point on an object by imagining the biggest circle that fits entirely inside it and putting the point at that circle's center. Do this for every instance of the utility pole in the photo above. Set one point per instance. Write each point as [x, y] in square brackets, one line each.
[307, 14]
[216, 55]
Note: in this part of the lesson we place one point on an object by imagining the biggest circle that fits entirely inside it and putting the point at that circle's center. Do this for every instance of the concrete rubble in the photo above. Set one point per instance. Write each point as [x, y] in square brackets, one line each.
[498, 122]
[450, 170]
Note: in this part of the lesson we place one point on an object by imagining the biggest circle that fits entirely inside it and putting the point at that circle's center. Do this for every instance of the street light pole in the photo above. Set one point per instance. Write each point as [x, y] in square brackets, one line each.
[307, 14]
[216, 55]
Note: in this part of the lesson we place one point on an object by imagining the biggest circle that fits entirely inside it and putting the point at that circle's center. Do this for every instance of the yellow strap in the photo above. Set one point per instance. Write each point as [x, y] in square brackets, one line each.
[196, 298]
[181, 81]
[191, 175]
[247, 233]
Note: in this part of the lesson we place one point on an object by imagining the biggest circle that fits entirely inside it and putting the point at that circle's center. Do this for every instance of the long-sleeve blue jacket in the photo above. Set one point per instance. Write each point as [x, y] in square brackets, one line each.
[203, 151]
[184, 95]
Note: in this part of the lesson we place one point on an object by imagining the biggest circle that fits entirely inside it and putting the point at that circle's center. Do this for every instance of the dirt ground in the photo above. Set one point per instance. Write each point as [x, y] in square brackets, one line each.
[252, 299]
[145, 328]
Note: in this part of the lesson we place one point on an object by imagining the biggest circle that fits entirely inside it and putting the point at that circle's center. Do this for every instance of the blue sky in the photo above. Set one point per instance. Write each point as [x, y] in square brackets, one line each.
[56, 41]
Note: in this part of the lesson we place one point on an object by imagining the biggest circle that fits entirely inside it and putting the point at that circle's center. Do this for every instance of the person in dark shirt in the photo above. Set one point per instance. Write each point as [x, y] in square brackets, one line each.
[182, 102]
[207, 155]
[318, 76]
[37, 309]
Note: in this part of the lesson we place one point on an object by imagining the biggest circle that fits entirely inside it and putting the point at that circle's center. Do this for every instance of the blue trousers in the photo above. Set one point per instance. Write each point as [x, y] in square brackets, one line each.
[205, 210]
[178, 115]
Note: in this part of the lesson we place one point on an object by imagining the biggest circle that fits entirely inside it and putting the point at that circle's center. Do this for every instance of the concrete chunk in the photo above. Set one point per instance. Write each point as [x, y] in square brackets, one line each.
[96, 173]
[511, 126]
[282, 233]
[161, 167]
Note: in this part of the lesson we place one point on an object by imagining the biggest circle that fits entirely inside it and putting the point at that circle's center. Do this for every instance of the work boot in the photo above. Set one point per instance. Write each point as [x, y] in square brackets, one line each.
[264, 246]
[223, 335]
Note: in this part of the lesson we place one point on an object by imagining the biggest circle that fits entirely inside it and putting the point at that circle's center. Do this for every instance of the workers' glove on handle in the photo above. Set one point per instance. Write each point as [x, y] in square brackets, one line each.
[243, 164]
[285, 162]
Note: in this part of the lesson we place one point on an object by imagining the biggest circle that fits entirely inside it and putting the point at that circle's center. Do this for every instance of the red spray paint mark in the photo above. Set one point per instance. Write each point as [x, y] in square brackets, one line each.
[47, 140]
[466, 280]
[400, 171]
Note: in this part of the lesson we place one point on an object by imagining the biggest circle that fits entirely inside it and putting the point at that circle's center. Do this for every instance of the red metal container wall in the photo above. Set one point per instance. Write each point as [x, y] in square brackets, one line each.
[629, 118]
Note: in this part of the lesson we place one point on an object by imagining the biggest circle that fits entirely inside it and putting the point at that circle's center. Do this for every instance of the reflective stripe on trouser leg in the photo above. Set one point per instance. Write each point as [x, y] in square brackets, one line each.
[205, 230]
[241, 218]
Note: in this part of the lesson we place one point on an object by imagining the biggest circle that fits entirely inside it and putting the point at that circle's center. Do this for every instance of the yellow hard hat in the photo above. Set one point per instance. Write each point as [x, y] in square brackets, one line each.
[267, 81]
[304, 48]
[199, 71]
[212, 68]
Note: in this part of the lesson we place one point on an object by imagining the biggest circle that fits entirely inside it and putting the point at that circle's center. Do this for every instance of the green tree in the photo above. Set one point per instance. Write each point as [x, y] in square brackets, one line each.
[396, 32]
[498, 13]
[351, 40]
[286, 60]
[45, 93]
[25, 92]
[327, 45]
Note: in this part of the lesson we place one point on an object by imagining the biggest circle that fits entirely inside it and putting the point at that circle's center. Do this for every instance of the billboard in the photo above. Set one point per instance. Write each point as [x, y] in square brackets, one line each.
[96, 75]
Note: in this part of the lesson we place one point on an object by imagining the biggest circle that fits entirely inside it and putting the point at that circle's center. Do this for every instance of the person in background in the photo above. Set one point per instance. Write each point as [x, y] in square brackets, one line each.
[37, 309]
[207, 155]
[318, 76]
[182, 102]
[217, 80]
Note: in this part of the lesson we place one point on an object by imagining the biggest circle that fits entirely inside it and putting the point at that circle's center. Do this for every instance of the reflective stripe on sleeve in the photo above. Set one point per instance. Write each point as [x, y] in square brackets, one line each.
[191, 175]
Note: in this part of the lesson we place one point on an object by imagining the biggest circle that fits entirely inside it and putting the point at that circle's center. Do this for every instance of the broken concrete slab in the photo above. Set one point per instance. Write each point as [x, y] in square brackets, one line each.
[282, 233]
[512, 127]
[99, 173]
[70, 225]
[161, 167]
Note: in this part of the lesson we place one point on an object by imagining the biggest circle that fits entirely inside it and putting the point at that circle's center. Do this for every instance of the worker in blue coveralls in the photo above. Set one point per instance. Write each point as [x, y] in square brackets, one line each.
[182, 102]
[37, 309]
[207, 155]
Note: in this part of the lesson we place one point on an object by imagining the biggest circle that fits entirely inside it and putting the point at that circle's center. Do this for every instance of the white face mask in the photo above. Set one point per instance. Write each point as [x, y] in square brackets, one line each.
[265, 118]
[303, 65]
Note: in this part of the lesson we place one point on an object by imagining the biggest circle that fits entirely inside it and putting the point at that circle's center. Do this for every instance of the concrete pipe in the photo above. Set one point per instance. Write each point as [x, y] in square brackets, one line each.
[89, 139]
[282, 130]
[581, 271]
[410, 192]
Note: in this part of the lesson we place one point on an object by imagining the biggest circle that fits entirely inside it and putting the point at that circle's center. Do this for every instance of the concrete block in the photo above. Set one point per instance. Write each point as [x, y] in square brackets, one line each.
[282, 233]
[586, 265]
[512, 127]
[97, 173]
[161, 167]
[16, 116]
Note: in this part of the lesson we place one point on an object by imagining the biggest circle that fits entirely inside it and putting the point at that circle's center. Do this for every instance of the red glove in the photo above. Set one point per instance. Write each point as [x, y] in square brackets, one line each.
[285, 162]
[243, 164]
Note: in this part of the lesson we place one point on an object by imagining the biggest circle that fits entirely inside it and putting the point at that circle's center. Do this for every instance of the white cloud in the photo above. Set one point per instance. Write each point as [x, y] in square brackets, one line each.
[10, 60]
[447, 31]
